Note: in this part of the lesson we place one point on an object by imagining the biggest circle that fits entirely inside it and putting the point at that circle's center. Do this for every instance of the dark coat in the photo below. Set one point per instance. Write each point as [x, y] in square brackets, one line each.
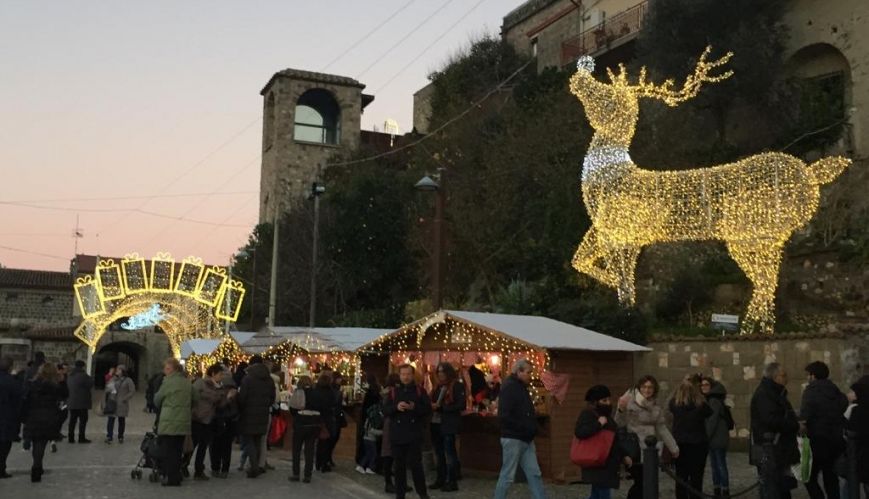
[858, 422]
[10, 406]
[153, 387]
[771, 412]
[516, 411]
[255, 398]
[587, 426]
[451, 408]
[407, 426]
[321, 400]
[79, 384]
[823, 409]
[41, 413]
[716, 423]
[689, 423]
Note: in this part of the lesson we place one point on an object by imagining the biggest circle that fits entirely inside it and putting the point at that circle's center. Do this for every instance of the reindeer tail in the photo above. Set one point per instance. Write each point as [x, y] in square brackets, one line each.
[825, 170]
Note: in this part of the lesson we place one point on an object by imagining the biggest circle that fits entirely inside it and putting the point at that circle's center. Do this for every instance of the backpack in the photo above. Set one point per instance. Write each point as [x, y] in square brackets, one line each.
[727, 416]
[374, 417]
[297, 399]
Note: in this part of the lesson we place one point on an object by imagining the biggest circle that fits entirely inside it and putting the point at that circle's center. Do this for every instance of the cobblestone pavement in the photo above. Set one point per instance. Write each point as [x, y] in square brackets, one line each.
[99, 470]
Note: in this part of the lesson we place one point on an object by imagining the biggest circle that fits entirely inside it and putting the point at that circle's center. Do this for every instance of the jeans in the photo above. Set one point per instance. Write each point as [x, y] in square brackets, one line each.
[446, 455]
[408, 456]
[598, 492]
[110, 427]
[5, 447]
[304, 436]
[254, 450]
[171, 448]
[220, 449]
[515, 453]
[720, 475]
[369, 454]
[79, 416]
[690, 466]
[202, 437]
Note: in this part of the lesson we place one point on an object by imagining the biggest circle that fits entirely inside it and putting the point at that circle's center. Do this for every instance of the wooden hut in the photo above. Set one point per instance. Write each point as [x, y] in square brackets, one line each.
[568, 360]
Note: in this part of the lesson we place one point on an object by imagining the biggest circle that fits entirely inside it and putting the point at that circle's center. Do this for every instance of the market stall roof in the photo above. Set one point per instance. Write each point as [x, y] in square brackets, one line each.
[199, 346]
[241, 337]
[541, 332]
[314, 340]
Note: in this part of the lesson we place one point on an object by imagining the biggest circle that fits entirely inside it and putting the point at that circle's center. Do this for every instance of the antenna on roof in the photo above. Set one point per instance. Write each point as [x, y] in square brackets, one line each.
[77, 233]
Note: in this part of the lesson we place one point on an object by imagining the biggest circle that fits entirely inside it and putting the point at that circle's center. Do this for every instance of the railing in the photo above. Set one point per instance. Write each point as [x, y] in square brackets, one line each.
[605, 34]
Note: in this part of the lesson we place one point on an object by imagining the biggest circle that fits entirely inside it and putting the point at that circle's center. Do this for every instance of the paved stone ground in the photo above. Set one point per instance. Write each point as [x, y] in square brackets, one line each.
[102, 471]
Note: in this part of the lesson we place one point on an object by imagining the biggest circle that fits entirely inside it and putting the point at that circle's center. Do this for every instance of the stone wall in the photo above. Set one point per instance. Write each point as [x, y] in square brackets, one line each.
[22, 309]
[738, 363]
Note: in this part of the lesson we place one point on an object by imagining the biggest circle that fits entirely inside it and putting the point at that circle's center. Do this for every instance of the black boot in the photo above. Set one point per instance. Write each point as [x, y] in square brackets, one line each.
[35, 474]
[450, 487]
[717, 492]
[725, 493]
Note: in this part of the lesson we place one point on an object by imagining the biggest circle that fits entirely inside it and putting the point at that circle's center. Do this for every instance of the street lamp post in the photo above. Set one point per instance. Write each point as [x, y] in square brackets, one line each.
[437, 185]
[317, 190]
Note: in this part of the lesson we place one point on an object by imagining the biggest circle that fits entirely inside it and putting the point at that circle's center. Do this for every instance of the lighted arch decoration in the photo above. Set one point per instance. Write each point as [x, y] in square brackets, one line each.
[186, 300]
[753, 205]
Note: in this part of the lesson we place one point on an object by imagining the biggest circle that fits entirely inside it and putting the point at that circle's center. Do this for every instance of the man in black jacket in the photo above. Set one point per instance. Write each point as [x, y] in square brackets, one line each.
[407, 406]
[80, 403]
[823, 411]
[255, 398]
[773, 417]
[518, 428]
[10, 411]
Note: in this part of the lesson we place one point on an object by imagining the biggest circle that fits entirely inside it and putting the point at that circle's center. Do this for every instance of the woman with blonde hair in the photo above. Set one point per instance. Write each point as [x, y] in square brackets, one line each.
[690, 410]
[41, 414]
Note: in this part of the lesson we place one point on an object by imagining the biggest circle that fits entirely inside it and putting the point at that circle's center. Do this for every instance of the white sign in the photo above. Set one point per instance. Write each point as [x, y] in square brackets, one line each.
[725, 319]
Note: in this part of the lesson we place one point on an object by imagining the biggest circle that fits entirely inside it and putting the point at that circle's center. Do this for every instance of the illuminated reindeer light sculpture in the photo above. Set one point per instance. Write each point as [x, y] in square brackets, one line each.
[753, 205]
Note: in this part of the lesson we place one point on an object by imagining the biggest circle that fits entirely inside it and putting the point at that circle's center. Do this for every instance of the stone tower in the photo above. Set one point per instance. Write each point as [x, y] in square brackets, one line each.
[307, 117]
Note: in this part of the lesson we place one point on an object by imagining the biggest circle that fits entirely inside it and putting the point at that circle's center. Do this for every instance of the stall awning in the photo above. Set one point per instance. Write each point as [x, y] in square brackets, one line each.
[199, 346]
[314, 340]
[540, 332]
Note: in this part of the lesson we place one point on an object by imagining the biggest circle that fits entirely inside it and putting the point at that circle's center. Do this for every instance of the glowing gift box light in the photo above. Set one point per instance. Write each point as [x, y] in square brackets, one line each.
[211, 286]
[162, 273]
[108, 276]
[88, 297]
[233, 294]
[189, 276]
[134, 274]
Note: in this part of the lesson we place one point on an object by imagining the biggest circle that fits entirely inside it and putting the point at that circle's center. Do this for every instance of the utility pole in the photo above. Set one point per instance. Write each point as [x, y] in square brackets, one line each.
[437, 261]
[317, 190]
[273, 288]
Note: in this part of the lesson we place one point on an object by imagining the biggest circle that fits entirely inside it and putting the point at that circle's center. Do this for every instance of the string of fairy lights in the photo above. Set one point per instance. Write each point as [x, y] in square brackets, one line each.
[192, 300]
[753, 205]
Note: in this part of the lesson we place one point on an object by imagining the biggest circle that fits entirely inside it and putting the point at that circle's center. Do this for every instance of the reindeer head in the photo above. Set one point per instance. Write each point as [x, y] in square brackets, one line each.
[612, 108]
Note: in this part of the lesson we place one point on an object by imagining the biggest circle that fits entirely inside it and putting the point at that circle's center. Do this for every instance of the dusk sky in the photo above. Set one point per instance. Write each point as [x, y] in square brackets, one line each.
[104, 105]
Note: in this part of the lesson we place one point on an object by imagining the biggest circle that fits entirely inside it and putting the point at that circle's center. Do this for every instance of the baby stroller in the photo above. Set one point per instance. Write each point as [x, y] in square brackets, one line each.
[150, 458]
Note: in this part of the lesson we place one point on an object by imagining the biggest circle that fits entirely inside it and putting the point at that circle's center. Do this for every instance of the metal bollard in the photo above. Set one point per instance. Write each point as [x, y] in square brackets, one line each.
[853, 480]
[770, 479]
[650, 468]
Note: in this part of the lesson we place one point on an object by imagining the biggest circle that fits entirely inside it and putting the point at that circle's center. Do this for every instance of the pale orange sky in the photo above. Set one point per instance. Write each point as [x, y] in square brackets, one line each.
[125, 101]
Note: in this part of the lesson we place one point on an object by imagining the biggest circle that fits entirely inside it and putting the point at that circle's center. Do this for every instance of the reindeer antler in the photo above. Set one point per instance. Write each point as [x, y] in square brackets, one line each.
[690, 88]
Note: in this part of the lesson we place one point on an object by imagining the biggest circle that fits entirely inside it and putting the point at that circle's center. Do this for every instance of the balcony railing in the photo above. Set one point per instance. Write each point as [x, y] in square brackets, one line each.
[606, 34]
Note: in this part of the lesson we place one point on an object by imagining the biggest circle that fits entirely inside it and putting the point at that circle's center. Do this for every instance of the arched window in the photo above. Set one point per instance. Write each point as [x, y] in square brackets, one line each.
[317, 118]
[269, 122]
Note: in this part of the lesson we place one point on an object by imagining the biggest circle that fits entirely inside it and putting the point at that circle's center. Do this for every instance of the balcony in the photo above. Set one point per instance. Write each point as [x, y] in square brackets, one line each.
[614, 31]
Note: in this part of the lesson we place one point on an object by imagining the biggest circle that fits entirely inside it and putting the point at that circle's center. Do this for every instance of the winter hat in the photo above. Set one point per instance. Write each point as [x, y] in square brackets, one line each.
[597, 392]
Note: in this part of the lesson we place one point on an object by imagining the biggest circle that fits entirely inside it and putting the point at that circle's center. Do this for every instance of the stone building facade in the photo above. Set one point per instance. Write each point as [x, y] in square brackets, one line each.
[738, 362]
[308, 118]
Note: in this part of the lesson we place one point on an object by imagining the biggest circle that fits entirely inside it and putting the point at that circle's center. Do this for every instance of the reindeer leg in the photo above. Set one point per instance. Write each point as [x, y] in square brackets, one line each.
[760, 260]
[591, 259]
[625, 264]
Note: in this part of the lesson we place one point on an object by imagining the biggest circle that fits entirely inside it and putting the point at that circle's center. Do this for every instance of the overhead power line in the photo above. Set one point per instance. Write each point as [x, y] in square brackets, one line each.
[447, 123]
[123, 198]
[35, 253]
[405, 37]
[366, 35]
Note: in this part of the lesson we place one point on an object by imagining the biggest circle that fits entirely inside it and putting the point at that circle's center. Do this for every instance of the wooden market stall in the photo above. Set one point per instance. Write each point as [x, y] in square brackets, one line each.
[308, 351]
[568, 360]
[199, 353]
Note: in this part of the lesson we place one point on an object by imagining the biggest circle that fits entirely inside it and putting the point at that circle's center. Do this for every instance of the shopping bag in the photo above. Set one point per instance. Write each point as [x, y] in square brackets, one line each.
[803, 470]
[276, 433]
[592, 452]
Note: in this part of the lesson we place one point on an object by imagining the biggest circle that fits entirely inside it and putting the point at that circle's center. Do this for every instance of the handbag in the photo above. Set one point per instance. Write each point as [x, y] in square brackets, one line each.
[592, 452]
[629, 443]
[110, 406]
[278, 428]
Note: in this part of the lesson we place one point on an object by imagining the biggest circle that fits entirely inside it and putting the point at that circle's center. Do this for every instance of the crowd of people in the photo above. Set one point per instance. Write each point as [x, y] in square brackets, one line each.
[204, 416]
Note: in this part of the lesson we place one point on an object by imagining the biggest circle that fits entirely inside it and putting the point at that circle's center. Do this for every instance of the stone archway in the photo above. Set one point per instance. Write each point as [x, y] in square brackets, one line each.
[129, 354]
